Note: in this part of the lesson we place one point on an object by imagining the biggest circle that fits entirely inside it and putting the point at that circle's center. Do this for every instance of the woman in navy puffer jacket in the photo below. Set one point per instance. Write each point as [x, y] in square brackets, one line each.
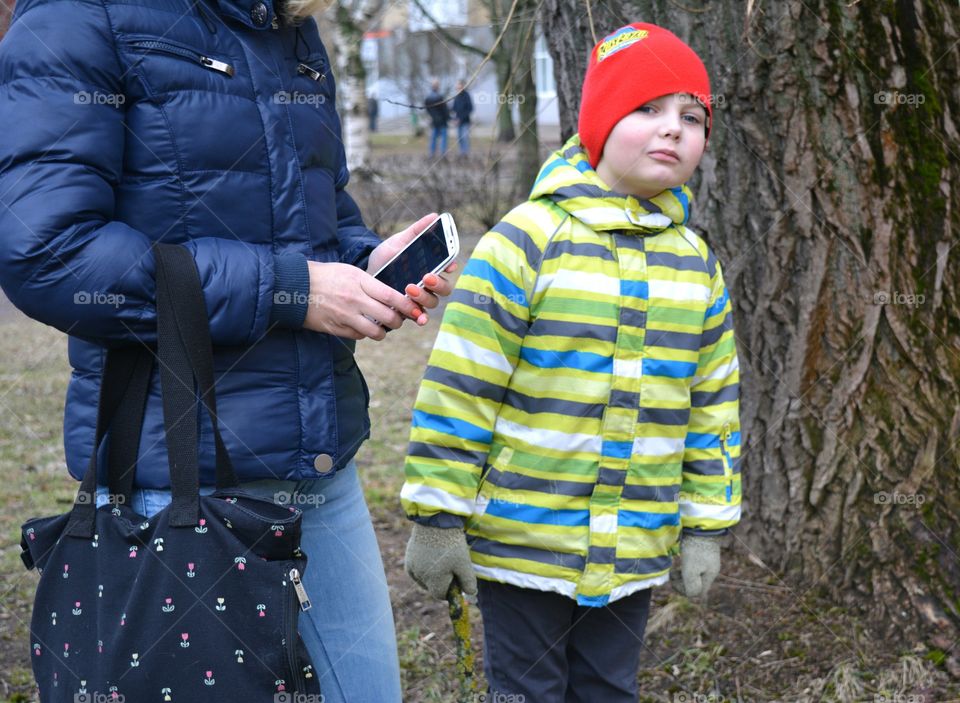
[211, 123]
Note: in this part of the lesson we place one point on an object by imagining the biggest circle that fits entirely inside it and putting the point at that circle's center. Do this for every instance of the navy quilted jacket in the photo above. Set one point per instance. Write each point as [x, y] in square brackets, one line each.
[209, 124]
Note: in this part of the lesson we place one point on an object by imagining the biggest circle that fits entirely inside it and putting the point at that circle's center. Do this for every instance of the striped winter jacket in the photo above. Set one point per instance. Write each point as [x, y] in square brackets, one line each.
[581, 403]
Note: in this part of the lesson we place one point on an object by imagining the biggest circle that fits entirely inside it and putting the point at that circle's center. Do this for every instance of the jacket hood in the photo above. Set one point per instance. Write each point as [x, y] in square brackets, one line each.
[568, 179]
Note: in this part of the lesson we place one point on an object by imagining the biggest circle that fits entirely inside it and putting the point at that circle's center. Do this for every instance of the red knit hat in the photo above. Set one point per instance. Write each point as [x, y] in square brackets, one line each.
[634, 65]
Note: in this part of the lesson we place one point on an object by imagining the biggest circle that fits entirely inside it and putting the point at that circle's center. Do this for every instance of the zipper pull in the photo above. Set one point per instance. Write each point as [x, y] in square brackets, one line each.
[310, 72]
[725, 436]
[305, 603]
[217, 65]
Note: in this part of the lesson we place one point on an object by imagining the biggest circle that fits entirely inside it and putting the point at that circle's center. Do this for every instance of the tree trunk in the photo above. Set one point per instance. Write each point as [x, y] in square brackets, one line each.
[528, 143]
[830, 192]
[567, 31]
[351, 22]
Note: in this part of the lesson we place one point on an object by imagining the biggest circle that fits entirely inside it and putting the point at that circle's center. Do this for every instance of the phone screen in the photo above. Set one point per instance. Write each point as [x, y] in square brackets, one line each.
[422, 256]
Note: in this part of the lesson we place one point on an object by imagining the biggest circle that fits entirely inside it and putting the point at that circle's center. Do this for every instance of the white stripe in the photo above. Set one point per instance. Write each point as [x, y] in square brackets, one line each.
[549, 439]
[603, 524]
[679, 290]
[429, 496]
[634, 586]
[458, 346]
[657, 446]
[710, 510]
[627, 368]
[595, 283]
[721, 372]
[524, 580]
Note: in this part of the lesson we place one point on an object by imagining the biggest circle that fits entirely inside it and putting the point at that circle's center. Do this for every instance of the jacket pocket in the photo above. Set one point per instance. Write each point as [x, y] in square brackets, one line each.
[181, 51]
[727, 463]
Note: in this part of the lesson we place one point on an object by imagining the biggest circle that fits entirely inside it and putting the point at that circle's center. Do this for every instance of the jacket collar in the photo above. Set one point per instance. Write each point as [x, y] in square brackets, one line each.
[568, 179]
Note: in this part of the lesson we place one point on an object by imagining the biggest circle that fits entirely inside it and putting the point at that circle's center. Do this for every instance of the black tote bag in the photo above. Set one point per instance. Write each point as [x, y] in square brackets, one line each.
[198, 603]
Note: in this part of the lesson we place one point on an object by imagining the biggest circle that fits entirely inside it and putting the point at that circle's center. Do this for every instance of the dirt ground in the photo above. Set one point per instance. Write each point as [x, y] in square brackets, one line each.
[758, 639]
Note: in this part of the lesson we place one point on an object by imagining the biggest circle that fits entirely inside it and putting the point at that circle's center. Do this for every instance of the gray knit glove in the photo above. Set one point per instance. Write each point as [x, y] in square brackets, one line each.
[437, 555]
[700, 564]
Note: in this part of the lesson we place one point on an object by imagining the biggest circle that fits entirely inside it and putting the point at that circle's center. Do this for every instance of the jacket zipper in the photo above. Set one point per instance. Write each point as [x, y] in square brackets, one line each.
[175, 50]
[727, 464]
[304, 70]
[300, 601]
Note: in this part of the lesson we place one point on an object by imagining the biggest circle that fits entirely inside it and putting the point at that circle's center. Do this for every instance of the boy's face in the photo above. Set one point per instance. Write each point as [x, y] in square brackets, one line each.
[658, 146]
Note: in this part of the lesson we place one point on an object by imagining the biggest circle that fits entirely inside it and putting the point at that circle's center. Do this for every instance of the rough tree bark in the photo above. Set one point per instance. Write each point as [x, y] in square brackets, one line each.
[830, 191]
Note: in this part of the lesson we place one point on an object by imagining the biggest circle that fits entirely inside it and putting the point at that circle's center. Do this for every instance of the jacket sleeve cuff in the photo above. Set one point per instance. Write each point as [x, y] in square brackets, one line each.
[445, 520]
[362, 244]
[291, 290]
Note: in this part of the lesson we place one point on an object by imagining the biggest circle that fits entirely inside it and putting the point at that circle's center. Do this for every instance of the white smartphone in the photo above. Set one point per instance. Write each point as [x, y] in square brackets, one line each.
[430, 252]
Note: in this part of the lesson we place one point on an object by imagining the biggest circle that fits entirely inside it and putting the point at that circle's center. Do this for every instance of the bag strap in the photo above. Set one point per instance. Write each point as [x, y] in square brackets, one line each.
[123, 386]
[186, 355]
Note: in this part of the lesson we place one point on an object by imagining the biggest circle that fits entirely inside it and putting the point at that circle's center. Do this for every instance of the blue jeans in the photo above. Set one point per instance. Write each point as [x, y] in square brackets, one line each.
[349, 631]
[438, 133]
[463, 138]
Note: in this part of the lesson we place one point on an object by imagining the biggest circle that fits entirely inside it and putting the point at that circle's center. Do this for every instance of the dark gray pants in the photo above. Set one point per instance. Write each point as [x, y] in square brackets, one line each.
[547, 649]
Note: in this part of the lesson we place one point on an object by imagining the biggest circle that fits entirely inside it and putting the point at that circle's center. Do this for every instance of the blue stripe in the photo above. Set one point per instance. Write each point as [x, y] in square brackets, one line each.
[671, 369]
[537, 515]
[684, 200]
[718, 306]
[548, 169]
[709, 440]
[620, 450]
[636, 289]
[584, 166]
[481, 269]
[699, 440]
[593, 601]
[452, 426]
[583, 361]
[646, 520]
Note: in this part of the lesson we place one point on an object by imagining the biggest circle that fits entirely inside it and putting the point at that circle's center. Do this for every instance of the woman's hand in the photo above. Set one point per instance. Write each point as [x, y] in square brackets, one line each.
[434, 286]
[340, 296]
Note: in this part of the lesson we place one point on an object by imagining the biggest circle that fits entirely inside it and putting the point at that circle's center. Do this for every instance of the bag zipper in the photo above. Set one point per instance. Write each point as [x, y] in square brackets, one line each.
[302, 602]
[182, 52]
[727, 464]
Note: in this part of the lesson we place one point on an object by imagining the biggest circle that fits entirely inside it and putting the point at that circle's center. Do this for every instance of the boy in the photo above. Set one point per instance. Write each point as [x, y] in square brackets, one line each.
[579, 413]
